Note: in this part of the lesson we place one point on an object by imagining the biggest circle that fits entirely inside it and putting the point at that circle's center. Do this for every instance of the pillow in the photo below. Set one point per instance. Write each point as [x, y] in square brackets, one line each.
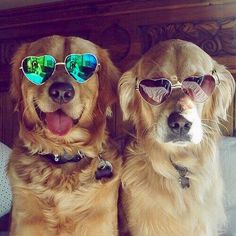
[5, 191]
[227, 154]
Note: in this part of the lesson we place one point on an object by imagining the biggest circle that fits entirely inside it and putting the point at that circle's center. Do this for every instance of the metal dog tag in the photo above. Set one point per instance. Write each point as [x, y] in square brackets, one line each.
[184, 181]
[104, 170]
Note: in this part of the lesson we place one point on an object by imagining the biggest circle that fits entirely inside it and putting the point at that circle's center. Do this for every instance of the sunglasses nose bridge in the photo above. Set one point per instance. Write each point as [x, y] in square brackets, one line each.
[59, 66]
[177, 85]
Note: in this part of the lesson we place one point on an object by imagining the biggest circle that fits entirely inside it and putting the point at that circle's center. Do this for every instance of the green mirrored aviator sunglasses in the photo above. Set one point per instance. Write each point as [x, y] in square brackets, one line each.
[39, 69]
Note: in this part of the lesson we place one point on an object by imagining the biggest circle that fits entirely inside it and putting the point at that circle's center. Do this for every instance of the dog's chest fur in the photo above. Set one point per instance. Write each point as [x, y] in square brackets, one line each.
[65, 199]
[152, 190]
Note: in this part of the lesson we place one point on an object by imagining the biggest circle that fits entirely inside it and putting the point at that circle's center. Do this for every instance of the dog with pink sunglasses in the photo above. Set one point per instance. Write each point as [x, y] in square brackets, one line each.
[175, 96]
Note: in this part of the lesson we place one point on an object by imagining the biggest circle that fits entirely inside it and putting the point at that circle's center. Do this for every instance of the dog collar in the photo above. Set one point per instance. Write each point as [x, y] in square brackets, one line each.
[61, 159]
[183, 180]
[104, 168]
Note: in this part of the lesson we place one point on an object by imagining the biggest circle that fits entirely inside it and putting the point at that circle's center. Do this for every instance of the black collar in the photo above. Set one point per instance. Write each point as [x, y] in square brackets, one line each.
[61, 159]
[104, 168]
[183, 180]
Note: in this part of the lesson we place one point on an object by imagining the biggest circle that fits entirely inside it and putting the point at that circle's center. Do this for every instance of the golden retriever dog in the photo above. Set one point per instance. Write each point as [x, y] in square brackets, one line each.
[64, 171]
[171, 181]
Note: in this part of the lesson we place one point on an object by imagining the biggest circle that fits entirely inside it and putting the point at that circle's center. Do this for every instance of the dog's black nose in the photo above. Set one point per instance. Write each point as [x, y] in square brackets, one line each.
[61, 92]
[178, 124]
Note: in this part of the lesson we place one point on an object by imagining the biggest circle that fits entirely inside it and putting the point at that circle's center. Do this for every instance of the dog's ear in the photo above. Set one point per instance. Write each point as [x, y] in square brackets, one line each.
[16, 87]
[223, 94]
[108, 80]
[126, 89]
[17, 76]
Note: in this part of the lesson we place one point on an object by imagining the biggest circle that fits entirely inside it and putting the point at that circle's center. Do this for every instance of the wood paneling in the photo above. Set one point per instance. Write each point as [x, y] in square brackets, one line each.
[126, 28]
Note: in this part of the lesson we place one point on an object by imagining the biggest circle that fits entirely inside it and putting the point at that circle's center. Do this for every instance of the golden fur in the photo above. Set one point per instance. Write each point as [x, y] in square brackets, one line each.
[65, 199]
[153, 201]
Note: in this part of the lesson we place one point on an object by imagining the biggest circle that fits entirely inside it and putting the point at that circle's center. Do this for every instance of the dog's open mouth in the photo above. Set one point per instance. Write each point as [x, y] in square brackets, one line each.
[57, 122]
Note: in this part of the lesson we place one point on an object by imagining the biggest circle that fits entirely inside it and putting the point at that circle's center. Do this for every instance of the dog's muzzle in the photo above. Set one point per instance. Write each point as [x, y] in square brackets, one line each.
[179, 127]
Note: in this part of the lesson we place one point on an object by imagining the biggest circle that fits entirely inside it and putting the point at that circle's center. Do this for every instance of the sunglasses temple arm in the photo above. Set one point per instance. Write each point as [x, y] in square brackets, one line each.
[218, 79]
[99, 66]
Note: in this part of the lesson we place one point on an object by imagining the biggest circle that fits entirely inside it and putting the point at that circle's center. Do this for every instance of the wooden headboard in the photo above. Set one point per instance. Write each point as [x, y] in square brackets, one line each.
[127, 28]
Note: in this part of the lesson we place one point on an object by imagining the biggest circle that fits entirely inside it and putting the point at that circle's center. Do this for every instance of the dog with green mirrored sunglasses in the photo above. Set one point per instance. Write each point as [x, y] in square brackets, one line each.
[64, 171]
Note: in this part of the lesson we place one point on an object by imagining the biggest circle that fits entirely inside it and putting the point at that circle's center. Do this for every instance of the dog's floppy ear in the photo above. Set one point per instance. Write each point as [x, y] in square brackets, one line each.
[17, 76]
[16, 87]
[126, 91]
[108, 80]
[223, 94]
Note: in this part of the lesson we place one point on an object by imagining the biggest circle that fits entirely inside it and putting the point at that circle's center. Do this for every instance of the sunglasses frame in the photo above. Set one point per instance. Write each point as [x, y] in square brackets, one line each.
[61, 63]
[178, 85]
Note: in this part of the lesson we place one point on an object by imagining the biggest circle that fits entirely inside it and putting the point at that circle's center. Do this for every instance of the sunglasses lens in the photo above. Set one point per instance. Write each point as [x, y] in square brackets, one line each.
[199, 88]
[155, 92]
[81, 67]
[38, 69]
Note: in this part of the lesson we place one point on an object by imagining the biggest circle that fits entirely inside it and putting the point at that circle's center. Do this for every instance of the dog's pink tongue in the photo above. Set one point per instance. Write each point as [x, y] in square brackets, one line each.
[58, 122]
